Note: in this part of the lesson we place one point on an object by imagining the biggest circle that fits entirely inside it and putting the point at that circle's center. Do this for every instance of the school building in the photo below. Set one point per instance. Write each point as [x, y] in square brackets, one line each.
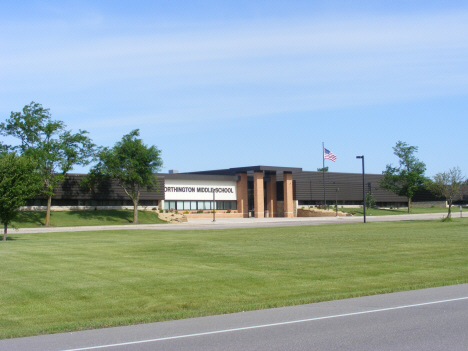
[256, 191]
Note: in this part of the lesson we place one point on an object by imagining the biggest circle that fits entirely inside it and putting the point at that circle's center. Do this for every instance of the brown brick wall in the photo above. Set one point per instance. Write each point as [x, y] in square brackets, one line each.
[288, 195]
[242, 204]
[259, 205]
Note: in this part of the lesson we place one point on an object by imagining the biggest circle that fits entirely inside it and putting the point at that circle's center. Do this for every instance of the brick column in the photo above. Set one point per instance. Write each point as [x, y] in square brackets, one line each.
[271, 196]
[258, 195]
[242, 200]
[288, 195]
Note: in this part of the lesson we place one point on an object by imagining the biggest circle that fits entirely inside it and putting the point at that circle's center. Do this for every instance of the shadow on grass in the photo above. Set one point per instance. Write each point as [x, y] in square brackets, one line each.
[11, 238]
[37, 218]
[103, 215]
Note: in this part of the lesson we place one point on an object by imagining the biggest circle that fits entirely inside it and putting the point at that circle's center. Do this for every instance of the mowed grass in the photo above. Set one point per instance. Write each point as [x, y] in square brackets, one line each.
[56, 282]
[84, 218]
[401, 211]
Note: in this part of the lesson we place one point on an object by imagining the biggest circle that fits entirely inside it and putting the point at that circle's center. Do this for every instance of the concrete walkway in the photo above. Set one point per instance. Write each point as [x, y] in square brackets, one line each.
[230, 223]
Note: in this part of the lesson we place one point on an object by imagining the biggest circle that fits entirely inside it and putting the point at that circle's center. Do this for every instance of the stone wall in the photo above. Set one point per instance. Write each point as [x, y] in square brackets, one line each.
[312, 212]
[429, 204]
[280, 208]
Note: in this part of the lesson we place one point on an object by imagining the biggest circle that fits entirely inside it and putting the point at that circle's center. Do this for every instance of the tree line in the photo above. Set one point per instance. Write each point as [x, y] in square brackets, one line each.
[47, 151]
[408, 177]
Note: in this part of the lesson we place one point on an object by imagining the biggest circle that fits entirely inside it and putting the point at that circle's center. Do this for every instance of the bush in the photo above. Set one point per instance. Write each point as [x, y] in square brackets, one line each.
[186, 211]
[228, 211]
[161, 211]
[200, 211]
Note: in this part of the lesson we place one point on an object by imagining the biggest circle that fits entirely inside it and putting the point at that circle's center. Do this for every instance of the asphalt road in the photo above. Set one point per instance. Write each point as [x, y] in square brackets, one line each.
[224, 223]
[429, 319]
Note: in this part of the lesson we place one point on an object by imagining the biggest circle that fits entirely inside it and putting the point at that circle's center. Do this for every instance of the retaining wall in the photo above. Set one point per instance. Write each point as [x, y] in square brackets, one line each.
[308, 212]
[429, 204]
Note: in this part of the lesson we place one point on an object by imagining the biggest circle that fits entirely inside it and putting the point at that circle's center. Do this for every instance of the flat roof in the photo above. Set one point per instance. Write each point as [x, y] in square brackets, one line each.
[233, 171]
[190, 176]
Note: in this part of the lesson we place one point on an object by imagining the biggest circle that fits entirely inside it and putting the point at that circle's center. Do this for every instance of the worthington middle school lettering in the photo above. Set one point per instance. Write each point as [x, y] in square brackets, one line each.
[192, 189]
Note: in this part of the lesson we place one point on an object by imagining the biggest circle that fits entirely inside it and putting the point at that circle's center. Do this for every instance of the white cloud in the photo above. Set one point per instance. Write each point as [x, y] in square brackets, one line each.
[241, 68]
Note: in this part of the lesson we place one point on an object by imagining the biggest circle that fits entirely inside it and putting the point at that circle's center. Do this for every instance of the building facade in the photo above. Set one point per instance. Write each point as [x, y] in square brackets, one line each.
[257, 191]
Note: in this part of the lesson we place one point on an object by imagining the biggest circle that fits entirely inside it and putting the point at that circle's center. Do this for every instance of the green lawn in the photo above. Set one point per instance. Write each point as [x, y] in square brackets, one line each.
[55, 282]
[399, 211]
[84, 218]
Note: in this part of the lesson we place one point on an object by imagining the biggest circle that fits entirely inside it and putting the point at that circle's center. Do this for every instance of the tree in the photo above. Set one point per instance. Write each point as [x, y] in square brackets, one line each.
[19, 181]
[55, 149]
[449, 185]
[325, 169]
[408, 177]
[370, 201]
[132, 164]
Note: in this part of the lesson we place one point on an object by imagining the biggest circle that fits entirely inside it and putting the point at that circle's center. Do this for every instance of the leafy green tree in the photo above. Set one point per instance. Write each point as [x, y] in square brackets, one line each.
[132, 164]
[408, 177]
[19, 181]
[3, 148]
[325, 169]
[449, 185]
[55, 149]
[370, 201]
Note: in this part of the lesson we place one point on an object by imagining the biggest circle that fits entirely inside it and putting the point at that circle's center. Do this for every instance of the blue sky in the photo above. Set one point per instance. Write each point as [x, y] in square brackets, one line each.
[218, 84]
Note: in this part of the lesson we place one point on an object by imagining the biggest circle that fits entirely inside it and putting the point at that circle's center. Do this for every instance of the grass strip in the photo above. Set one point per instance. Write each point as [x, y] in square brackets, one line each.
[396, 211]
[57, 282]
[84, 218]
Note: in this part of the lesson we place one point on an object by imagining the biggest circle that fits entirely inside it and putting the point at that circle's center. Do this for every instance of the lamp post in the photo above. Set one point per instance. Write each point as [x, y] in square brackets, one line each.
[214, 205]
[363, 188]
[336, 202]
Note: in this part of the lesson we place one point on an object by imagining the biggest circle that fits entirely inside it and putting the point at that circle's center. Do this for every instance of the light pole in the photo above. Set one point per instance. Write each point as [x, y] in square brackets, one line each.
[336, 202]
[363, 188]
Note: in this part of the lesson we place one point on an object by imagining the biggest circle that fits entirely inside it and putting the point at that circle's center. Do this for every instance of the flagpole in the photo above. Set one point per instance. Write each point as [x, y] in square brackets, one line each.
[323, 171]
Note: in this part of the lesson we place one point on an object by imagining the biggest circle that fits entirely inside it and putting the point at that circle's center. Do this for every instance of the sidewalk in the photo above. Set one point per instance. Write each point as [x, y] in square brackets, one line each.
[230, 223]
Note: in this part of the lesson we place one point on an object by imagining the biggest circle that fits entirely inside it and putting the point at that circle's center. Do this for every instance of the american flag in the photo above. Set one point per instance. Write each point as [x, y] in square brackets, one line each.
[328, 155]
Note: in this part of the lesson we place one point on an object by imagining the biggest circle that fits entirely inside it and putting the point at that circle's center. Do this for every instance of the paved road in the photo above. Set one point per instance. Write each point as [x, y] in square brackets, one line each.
[225, 223]
[429, 319]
